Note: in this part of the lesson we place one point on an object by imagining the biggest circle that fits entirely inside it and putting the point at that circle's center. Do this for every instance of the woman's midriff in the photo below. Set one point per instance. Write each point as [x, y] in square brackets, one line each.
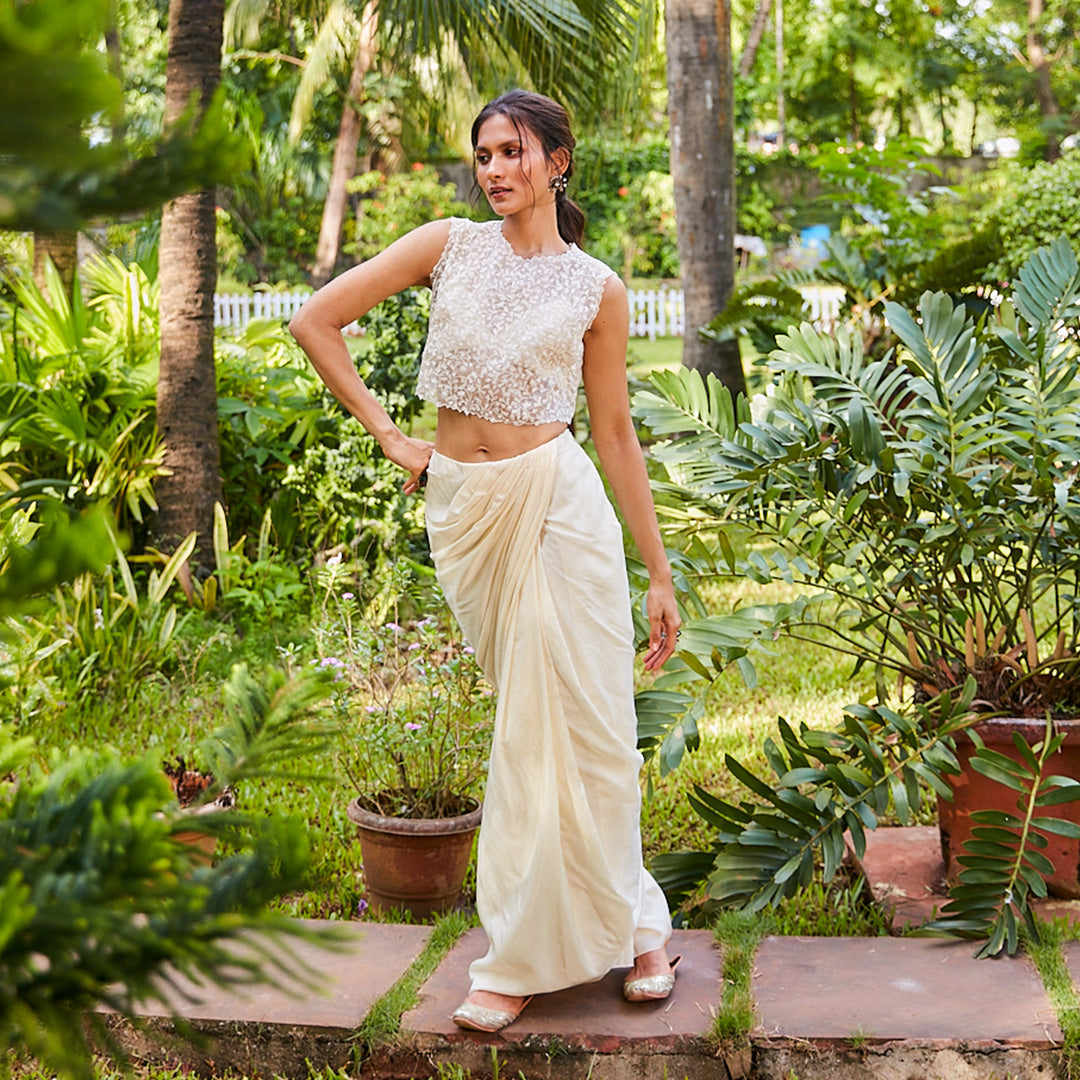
[469, 438]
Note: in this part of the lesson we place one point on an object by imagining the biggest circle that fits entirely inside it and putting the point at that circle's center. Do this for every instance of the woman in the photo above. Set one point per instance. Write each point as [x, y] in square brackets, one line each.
[528, 552]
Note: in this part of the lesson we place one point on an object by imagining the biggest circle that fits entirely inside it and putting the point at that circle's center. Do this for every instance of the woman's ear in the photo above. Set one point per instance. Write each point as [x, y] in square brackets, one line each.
[561, 159]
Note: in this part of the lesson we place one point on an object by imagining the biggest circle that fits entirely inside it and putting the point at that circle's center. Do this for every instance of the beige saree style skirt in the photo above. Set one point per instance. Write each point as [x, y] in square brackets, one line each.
[529, 554]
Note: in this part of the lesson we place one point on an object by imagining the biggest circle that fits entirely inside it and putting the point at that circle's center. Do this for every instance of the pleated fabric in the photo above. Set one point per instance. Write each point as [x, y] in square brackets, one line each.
[528, 551]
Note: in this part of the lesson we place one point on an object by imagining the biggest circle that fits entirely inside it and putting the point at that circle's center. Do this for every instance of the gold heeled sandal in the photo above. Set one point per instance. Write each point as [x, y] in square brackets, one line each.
[479, 1018]
[651, 987]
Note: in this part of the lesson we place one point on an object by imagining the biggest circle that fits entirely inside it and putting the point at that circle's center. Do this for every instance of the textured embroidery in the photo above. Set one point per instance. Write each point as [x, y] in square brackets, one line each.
[505, 332]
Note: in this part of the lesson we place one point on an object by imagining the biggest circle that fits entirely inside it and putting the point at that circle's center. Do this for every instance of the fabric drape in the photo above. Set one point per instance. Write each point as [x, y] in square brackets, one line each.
[528, 552]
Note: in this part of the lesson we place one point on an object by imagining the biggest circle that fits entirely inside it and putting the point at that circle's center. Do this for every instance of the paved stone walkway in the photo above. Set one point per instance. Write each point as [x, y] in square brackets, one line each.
[828, 1009]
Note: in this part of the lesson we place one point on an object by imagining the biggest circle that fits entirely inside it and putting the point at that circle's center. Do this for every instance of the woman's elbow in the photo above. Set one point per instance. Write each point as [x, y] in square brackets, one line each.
[616, 441]
[298, 324]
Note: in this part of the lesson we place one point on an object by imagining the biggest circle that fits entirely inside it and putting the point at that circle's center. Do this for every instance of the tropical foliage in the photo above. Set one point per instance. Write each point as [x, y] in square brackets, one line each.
[97, 894]
[1030, 207]
[56, 174]
[924, 505]
[76, 386]
[896, 241]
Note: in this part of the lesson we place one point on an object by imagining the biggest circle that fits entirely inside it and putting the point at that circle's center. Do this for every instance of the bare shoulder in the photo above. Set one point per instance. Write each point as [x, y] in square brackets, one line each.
[613, 312]
[416, 253]
[614, 291]
[407, 262]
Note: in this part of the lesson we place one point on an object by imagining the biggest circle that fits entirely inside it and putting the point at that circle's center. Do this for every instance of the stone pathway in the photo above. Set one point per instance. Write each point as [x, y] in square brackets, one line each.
[828, 1009]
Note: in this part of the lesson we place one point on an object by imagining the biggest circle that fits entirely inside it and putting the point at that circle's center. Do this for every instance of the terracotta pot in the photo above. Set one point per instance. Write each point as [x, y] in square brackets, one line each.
[972, 791]
[414, 864]
[201, 845]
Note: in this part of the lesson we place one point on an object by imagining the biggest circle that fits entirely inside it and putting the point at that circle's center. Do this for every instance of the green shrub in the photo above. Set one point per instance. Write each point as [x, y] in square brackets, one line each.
[393, 205]
[1032, 208]
[341, 489]
[621, 188]
[271, 409]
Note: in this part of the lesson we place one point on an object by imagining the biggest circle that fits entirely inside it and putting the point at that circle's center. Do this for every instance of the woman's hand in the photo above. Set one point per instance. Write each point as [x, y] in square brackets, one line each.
[664, 623]
[412, 455]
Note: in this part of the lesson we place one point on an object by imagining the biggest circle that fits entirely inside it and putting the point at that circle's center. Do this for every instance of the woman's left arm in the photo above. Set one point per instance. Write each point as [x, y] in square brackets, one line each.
[621, 458]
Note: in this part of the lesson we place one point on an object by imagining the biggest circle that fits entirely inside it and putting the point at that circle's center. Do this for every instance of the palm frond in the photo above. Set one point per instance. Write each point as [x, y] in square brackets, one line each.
[826, 785]
[1048, 285]
[332, 51]
[1004, 864]
[243, 21]
[571, 46]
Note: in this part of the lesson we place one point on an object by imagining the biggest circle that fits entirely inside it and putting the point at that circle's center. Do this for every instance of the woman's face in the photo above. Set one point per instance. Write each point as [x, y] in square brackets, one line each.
[511, 168]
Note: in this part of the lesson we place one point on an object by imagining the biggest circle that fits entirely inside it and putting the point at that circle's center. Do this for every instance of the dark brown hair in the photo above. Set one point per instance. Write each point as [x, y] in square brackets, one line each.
[547, 120]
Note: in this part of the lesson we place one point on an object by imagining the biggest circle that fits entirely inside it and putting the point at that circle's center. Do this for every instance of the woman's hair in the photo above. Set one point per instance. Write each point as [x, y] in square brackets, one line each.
[547, 120]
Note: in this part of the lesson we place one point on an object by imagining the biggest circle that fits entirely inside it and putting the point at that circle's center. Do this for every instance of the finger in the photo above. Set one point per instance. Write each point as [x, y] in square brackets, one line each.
[655, 654]
[662, 645]
[415, 482]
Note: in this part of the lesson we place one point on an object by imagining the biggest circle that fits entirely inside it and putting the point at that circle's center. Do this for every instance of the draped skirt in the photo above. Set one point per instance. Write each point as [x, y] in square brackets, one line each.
[529, 555]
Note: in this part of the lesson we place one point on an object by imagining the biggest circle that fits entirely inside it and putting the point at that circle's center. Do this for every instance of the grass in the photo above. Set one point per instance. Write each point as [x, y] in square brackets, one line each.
[738, 933]
[1049, 959]
[843, 908]
[168, 714]
[800, 681]
[382, 1024]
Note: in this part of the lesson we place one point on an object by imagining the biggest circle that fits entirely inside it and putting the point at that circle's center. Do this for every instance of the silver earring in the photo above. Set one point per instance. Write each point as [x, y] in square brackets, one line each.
[557, 184]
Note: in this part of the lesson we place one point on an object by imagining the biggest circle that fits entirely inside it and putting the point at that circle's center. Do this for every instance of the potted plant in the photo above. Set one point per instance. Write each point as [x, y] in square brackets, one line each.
[190, 788]
[416, 718]
[927, 504]
[271, 724]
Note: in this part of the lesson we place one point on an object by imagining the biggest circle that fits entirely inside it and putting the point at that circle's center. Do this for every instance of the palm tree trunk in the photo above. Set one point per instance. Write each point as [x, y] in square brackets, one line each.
[753, 41]
[63, 249]
[187, 392]
[853, 98]
[701, 113]
[344, 165]
[1044, 89]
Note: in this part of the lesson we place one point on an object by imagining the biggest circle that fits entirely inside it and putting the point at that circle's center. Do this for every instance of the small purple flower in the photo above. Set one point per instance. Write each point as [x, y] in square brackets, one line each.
[392, 626]
[468, 650]
[413, 646]
[423, 624]
[361, 906]
[413, 727]
[331, 662]
[372, 708]
[348, 596]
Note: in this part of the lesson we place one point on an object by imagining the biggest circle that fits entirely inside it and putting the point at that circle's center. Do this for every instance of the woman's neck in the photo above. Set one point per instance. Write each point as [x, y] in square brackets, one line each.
[534, 232]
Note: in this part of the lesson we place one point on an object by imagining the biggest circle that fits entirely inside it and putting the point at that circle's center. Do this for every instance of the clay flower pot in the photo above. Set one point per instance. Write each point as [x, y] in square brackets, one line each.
[188, 786]
[414, 864]
[972, 791]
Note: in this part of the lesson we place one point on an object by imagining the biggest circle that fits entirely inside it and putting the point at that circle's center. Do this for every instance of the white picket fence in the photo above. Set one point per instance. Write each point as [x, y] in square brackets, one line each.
[656, 313]
[653, 312]
[238, 309]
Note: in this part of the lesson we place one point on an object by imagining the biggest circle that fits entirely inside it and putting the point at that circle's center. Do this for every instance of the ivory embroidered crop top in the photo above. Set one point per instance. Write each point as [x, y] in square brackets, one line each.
[505, 331]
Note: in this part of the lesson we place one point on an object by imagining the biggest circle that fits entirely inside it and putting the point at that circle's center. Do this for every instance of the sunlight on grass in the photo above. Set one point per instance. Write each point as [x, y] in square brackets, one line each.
[802, 681]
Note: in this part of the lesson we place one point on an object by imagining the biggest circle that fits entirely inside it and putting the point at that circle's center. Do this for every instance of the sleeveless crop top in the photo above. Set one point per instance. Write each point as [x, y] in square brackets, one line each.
[505, 332]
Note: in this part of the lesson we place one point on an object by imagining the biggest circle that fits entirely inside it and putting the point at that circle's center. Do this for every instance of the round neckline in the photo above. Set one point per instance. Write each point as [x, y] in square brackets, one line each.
[529, 258]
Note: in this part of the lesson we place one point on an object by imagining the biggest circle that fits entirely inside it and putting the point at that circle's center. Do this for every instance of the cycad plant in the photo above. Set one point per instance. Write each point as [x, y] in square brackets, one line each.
[925, 504]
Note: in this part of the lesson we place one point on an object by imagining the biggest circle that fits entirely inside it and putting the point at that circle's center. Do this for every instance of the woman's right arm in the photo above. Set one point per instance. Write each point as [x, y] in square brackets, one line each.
[318, 324]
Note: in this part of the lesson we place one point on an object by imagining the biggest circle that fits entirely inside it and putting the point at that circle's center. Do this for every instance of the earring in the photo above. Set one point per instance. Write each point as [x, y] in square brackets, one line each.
[557, 184]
